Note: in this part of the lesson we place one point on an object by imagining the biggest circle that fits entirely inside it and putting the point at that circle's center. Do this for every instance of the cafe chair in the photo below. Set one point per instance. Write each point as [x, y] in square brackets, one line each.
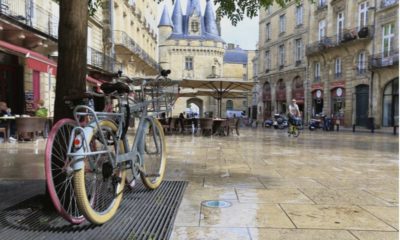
[3, 130]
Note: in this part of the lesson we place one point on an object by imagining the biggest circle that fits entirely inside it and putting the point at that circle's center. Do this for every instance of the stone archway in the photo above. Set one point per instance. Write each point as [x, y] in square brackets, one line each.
[267, 100]
[390, 103]
[198, 102]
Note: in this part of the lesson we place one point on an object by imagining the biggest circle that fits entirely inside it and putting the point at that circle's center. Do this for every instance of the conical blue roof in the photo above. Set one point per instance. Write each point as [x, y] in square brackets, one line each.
[209, 19]
[193, 7]
[208, 25]
[165, 19]
[177, 18]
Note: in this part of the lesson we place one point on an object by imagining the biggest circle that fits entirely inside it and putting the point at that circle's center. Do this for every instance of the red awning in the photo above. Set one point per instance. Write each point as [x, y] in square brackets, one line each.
[34, 60]
[94, 81]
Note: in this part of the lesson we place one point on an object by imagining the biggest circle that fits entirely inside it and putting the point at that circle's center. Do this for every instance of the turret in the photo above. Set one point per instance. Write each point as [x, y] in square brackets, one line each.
[177, 18]
[165, 27]
[209, 20]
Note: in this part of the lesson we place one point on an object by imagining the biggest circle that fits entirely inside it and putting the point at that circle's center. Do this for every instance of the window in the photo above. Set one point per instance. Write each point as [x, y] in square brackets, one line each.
[299, 15]
[387, 40]
[298, 51]
[338, 67]
[229, 105]
[361, 63]
[189, 63]
[282, 23]
[340, 26]
[321, 30]
[362, 15]
[387, 3]
[317, 72]
[267, 60]
[268, 31]
[321, 3]
[195, 26]
[281, 56]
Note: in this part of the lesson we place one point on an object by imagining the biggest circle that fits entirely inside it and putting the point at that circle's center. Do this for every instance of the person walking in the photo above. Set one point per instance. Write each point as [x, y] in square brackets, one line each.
[294, 114]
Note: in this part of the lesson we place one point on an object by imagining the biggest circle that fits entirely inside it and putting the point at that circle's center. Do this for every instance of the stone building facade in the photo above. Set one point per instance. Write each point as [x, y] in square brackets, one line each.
[351, 61]
[28, 47]
[190, 46]
[282, 64]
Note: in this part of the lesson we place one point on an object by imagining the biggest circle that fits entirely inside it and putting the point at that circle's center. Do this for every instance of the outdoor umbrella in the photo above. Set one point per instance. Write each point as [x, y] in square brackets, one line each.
[221, 88]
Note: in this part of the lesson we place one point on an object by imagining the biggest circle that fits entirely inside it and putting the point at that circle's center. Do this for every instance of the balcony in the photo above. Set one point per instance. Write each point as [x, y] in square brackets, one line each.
[348, 35]
[322, 6]
[317, 78]
[32, 16]
[338, 75]
[383, 60]
[100, 60]
[388, 3]
[122, 39]
[298, 63]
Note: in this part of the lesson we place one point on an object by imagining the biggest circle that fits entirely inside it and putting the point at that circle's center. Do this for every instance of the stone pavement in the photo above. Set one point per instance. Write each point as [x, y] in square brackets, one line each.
[322, 185]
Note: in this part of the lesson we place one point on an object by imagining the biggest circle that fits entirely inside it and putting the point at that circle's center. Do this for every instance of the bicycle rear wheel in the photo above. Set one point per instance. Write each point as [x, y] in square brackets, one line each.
[154, 154]
[99, 187]
[59, 173]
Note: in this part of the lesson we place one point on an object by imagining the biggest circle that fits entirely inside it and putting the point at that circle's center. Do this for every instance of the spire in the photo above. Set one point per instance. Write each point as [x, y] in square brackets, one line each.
[177, 17]
[209, 20]
[165, 19]
[193, 6]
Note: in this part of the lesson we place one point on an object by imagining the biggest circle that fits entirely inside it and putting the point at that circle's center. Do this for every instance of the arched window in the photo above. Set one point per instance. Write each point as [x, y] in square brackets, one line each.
[229, 105]
[390, 103]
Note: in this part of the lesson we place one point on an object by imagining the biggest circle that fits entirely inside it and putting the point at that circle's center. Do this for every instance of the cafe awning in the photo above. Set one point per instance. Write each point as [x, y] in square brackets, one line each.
[34, 60]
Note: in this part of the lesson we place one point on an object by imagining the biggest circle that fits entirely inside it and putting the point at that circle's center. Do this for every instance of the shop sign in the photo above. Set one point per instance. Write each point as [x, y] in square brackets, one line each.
[29, 102]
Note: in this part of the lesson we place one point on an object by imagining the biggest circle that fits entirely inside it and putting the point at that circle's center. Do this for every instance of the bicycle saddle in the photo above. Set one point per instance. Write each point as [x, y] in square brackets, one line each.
[112, 87]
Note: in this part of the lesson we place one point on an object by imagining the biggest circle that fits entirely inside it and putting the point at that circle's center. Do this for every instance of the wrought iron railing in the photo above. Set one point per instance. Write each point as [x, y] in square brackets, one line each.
[388, 3]
[338, 75]
[122, 38]
[384, 59]
[347, 35]
[102, 61]
[31, 15]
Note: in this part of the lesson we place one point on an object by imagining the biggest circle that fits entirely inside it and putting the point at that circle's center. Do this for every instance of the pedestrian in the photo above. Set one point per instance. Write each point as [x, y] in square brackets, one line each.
[294, 112]
[41, 111]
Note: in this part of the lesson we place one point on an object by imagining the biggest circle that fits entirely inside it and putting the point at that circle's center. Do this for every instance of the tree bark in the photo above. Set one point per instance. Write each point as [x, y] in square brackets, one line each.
[72, 50]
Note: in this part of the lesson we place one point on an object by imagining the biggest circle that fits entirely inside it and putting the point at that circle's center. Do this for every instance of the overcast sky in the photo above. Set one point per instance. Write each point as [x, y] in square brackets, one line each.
[245, 34]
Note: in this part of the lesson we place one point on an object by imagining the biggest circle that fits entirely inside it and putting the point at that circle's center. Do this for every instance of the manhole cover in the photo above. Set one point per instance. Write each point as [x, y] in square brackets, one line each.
[216, 204]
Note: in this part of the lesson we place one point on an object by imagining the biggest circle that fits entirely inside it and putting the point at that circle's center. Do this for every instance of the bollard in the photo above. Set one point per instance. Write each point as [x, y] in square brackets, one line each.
[337, 127]
[394, 130]
[354, 127]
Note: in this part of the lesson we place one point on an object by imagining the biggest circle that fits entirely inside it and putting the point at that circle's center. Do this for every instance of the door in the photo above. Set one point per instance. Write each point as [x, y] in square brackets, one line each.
[362, 102]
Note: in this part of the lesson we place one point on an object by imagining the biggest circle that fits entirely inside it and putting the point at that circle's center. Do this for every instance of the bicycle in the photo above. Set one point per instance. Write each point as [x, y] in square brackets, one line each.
[88, 162]
[294, 124]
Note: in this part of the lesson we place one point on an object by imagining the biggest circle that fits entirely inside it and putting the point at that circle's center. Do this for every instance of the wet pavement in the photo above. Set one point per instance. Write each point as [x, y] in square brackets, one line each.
[322, 185]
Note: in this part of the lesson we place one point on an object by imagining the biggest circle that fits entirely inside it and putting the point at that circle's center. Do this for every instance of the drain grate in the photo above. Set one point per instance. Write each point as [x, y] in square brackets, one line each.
[216, 204]
[143, 214]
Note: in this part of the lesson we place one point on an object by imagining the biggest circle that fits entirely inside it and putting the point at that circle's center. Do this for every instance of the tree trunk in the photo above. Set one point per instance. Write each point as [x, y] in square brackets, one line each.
[72, 50]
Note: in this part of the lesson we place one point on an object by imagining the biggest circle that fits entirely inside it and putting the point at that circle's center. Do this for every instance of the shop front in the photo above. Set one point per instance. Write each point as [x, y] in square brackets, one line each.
[267, 101]
[317, 99]
[390, 108]
[280, 97]
[338, 102]
[298, 93]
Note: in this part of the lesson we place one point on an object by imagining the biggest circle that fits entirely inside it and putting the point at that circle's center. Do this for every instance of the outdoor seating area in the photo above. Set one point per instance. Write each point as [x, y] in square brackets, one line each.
[25, 127]
[201, 126]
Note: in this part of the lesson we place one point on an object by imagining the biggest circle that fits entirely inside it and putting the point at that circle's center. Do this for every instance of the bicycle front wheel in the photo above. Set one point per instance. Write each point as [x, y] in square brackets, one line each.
[59, 172]
[154, 154]
[98, 186]
[296, 131]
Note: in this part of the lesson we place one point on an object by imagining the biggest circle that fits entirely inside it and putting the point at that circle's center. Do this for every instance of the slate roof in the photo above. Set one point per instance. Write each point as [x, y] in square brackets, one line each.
[236, 55]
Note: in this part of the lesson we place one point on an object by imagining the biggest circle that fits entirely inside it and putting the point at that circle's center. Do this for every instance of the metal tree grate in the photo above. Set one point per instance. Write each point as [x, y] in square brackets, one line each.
[143, 214]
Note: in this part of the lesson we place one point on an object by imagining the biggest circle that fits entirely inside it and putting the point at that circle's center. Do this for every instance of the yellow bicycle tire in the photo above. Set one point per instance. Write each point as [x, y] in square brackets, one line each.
[83, 202]
[154, 182]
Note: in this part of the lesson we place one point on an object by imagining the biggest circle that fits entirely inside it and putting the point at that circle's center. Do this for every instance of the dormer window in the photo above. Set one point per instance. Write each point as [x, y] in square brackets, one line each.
[195, 27]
